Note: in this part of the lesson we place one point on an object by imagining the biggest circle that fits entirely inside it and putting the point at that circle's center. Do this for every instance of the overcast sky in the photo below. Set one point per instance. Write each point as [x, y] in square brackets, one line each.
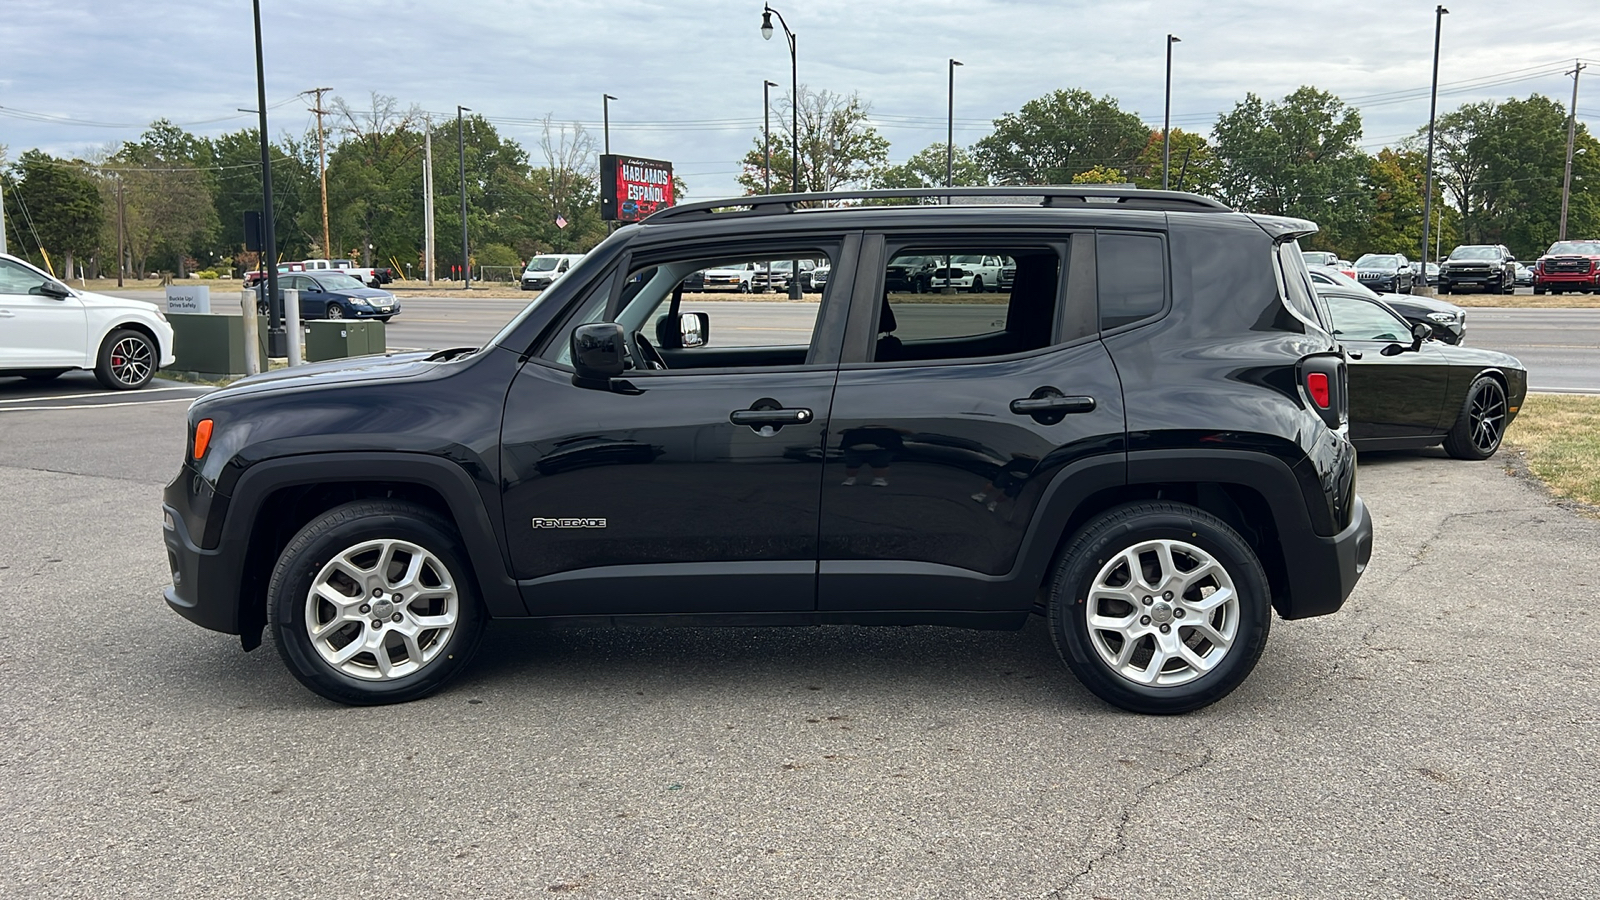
[79, 74]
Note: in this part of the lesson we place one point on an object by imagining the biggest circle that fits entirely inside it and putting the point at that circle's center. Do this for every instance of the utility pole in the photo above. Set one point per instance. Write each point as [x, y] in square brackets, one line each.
[121, 229]
[1166, 117]
[950, 132]
[1572, 125]
[277, 339]
[427, 203]
[3, 221]
[766, 129]
[1433, 106]
[461, 150]
[322, 158]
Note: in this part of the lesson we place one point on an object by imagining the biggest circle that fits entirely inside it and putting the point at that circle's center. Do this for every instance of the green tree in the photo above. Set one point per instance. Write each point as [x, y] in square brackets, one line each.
[839, 147]
[63, 208]
[1194, 165]
[1100, 175]
[1297, 157]
[167, 184]
[927, 169]
[1060, 135]
[1503, 164]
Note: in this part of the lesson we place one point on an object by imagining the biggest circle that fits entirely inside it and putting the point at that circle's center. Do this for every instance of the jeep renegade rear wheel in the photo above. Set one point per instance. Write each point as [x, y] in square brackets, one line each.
[372, 603]
[1159, 607]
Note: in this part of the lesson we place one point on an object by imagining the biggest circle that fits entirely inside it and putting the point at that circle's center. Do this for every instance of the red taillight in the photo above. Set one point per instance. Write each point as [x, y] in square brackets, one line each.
[1317, 387]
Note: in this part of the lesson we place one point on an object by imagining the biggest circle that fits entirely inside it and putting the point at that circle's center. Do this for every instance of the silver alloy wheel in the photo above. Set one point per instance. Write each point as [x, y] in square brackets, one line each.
[131, 360]
[1487, 415]
[335, 311]
[382, 610]
[1162, 613]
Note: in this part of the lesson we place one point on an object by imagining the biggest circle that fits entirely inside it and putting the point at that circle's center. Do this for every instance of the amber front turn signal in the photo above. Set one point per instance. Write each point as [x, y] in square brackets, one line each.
[202, 437]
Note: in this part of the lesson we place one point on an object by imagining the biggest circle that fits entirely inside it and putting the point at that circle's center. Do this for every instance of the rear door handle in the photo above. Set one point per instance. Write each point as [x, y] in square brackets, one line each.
[7, 314]
[1048, 406]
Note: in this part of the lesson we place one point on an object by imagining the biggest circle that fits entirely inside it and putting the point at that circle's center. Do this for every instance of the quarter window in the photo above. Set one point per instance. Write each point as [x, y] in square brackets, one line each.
[1361, 320]
[1132, 273]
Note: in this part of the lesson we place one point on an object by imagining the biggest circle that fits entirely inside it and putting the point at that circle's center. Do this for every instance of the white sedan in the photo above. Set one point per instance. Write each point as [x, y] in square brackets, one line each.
[47, 328]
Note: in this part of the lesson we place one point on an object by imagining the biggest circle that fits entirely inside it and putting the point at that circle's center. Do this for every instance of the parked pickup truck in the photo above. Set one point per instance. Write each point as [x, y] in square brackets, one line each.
[370, 276]
[1568, 266]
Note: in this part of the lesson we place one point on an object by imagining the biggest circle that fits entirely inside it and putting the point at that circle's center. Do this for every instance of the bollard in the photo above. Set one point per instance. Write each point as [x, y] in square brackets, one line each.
[291, 323]
[252, 333]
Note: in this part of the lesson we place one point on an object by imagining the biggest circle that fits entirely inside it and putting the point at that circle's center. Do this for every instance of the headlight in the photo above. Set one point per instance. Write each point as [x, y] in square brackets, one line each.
[358, 301]
[1442, 317]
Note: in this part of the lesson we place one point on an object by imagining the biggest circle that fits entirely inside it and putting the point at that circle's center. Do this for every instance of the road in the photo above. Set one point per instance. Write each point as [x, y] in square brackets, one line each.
[1433, 739]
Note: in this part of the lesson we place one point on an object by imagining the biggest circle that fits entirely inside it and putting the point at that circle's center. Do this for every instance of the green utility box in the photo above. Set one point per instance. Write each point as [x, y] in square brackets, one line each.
[212, 346]
[344, 338]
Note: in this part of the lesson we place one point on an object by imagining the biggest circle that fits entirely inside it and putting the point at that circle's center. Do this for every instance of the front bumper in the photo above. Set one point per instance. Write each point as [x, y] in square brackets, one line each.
[1471, 277]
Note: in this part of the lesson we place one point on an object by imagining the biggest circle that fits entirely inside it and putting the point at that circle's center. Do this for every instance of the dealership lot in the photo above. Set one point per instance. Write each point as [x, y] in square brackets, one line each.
[1435, 738]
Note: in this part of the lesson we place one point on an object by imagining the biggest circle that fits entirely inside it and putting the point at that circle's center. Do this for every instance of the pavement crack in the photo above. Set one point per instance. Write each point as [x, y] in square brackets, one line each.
[49, 471]
[1119, 836]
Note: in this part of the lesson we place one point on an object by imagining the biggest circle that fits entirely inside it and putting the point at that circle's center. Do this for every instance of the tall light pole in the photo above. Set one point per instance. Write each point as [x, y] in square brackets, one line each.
[1439, 13]
[950, 132]
[277, 340]
[461, 152]
[605, 112]
[767, 12]
[766, 128]
[1166, 117]
[1572, 124]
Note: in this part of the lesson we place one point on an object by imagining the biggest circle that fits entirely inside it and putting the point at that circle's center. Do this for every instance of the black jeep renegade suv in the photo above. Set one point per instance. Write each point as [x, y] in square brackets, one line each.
[1143, 439]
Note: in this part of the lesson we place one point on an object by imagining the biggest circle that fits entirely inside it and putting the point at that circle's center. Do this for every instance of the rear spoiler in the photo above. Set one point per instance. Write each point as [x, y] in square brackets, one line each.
[1284, 228]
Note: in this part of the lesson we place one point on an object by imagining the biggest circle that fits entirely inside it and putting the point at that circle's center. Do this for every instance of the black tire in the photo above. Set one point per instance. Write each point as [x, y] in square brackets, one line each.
[127, 360]
[337, 533]
[1092, 555]
[334, 311]
[1538, 288]
[1444, 288]
[977, 284]
[1508, 285]
[1480, 425]
[44, 374]
[385, 319]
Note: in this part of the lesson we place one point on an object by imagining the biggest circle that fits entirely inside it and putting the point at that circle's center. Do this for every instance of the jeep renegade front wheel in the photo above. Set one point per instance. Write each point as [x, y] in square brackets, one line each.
[1159, 607]
[373, 603]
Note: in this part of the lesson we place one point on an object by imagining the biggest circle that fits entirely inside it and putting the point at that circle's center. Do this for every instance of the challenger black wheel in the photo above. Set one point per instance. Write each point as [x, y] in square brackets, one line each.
[1159, 607]
[374, 602]
[1481, 423]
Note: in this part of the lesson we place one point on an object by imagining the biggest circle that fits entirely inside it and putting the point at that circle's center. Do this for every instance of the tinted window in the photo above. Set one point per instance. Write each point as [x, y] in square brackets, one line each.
[1132, 272]
[963, 310]
[1363, 320]
[15, 279]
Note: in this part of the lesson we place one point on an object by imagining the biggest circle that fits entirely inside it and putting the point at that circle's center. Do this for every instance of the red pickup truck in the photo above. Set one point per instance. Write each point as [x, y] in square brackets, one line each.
[1568, 266]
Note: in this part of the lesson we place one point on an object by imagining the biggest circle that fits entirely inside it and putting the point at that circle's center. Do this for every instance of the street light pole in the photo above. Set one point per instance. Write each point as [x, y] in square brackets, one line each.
[277, 340]
[1572, 124]
[461, 152]
[950, 132]
[1166, 117]
[767, 12]
[1439, 13]
[766, 128]
[605, 112]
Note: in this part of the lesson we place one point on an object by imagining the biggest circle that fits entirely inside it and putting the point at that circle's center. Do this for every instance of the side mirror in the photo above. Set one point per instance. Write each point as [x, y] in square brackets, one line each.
[1420, 333]
[598, 351]
[694, 329]
[55, 289]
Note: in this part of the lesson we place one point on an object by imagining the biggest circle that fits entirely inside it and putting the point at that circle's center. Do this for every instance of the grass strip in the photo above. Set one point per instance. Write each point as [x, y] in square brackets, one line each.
[1558, 435]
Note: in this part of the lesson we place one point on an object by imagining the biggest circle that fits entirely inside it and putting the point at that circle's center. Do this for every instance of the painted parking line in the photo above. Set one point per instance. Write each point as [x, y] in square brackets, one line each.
[142, 393]
[97, 405]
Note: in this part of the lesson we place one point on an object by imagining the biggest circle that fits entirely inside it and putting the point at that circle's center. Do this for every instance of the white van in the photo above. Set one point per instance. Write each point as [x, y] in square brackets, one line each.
[546, 269]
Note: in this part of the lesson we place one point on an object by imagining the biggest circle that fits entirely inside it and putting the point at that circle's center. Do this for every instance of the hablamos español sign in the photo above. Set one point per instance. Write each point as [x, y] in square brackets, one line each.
[632, 188]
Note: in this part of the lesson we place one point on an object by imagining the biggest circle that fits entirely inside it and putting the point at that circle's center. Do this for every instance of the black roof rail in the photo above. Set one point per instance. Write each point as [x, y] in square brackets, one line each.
[1053, 195]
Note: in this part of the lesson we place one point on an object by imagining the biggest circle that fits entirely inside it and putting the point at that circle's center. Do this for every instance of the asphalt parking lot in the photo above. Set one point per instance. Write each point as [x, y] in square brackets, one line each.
[1434, 739]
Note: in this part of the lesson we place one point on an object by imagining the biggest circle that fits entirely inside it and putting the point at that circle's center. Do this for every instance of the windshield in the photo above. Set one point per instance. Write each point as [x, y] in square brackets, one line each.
[332, 281]
[1575, 248]
[1377, 261]
[543, 264]
[1475, 253]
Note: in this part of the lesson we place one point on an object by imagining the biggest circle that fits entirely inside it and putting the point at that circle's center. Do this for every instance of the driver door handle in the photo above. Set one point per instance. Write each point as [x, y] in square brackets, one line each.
[755, 418]
[1029, 406]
